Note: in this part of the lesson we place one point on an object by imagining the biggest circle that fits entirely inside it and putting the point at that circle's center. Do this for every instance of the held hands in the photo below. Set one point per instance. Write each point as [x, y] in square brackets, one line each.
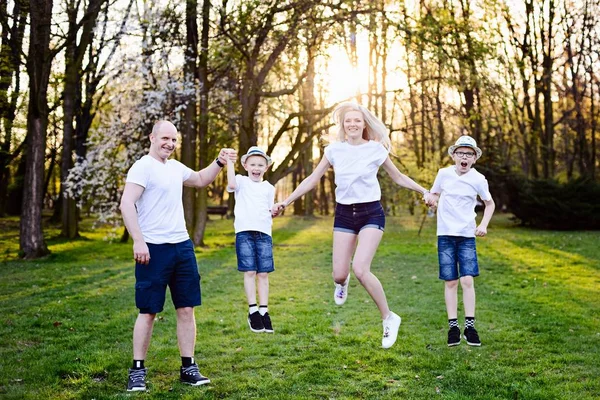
[141, 254]
[430, 200]
[277, 209]
[227, 154]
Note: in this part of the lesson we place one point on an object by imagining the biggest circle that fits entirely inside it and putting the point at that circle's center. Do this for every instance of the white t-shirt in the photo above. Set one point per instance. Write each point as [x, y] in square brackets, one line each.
[253, 204]
[160, 207]
[355, 169]
[458, 197]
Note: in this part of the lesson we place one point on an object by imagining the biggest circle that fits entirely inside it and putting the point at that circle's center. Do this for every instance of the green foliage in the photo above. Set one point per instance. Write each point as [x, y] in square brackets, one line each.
[67, 320]
[548, 204]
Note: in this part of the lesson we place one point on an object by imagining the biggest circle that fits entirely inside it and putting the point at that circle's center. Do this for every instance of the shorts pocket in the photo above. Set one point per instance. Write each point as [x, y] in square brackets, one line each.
[143, 294]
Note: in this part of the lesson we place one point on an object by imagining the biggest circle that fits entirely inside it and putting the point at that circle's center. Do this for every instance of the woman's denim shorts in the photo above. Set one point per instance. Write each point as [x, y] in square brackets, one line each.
[254, 251]
[353, 218]
[457, 254]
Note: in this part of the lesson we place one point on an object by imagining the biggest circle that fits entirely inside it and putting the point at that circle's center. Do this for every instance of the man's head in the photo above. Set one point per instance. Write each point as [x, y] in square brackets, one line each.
[163, 140]
[256, 162]
[464, 153]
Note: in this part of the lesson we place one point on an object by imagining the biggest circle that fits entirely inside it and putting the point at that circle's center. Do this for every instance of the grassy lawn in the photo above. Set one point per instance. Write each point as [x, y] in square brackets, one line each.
[67, 320]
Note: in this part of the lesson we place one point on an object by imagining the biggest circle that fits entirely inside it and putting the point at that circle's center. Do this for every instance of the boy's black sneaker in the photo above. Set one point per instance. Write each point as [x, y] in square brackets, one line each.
[472, 337]
[266, 320]
[192, 376]
[255, 322]
[454, 336]
[137, 380]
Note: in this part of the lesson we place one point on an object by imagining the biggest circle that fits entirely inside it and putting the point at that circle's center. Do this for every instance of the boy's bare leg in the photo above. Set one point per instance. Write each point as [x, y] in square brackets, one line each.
[250, 286]
[468, 288]
[186, 331]
[451, 297]
[142, 332]
[263, 288]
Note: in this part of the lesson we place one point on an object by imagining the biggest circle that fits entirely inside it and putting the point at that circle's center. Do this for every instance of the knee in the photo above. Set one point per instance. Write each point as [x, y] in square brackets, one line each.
[250, 274]
[185, 314]
[263, 276]
[360, 273]
[452, 285]
[467, 282]
[147, 319]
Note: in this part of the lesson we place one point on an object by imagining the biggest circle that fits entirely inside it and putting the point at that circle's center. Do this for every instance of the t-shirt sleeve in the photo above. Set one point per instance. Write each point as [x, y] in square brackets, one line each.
[483, 190]
[437, 184]
[138, 174]
[382, 154]
[329, 154]
[240, 182]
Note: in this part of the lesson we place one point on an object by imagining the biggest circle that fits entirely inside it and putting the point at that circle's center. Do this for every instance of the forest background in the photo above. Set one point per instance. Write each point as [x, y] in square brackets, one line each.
[82, 83]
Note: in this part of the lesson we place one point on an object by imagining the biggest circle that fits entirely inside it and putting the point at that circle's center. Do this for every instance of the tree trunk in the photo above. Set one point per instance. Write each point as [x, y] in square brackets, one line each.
[39, 63]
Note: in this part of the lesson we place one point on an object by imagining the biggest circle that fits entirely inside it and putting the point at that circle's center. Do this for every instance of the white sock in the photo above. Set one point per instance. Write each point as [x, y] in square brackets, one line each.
[252, 308]
[263, 310]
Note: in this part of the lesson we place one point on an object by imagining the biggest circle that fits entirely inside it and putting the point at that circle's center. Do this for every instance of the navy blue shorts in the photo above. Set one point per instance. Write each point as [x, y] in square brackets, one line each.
[254, 251]
[457, 256]
[172, 265]
[353, 218]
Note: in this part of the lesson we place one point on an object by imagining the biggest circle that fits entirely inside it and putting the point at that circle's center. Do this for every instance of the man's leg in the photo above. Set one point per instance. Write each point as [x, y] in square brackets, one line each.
[186, 331]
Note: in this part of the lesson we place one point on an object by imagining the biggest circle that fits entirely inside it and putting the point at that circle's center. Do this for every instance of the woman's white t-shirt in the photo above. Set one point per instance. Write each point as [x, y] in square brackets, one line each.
[458, 198]
[355, 169]
[253, 204]
[160, 207]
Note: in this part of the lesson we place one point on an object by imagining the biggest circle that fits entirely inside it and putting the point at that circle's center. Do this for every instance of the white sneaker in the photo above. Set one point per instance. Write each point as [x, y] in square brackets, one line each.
[340, 293]
[390, 330]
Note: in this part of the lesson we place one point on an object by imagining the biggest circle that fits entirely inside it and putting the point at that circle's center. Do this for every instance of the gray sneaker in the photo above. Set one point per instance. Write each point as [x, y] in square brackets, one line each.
[191, 376]
[137, 380]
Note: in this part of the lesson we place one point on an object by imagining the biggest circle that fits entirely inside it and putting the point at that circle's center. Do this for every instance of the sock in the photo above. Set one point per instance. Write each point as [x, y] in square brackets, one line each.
[263, 310]
[187, 361]
[252, 308]
[469, 322]
[453, 323]
[138, 364]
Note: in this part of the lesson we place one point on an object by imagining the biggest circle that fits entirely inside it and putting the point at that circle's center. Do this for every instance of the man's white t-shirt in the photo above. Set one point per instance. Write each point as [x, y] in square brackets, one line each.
[253, 204]
[160, 207]
[355, 169]
[458, 198]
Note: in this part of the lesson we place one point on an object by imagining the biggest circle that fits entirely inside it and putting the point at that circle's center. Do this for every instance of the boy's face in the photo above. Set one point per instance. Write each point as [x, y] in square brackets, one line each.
[464, 158]
[256, 167]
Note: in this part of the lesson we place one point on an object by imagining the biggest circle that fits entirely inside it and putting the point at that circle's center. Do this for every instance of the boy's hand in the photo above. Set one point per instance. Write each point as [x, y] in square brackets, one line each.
[430, 199]
[232, 155]
[277, 208]
[481, 231]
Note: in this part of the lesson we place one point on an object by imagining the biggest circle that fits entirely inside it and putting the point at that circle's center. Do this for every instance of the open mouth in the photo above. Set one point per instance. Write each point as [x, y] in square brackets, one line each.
[464, 164]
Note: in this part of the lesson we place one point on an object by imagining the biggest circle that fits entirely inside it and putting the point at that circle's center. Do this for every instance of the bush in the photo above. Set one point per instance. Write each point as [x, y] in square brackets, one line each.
[548, 204]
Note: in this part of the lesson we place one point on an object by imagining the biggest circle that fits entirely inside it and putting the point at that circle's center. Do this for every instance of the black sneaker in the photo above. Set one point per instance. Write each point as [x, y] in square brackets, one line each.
[137, 380]
[472, 337]
[192, 376]
[255, 322]
[266, 320]
[454, 336]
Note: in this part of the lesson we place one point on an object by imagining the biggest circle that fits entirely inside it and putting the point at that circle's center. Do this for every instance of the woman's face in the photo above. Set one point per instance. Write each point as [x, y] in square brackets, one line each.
[354, 125]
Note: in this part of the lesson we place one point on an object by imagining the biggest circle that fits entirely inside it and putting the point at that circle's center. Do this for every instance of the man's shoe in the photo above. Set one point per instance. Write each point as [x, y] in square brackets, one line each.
[454, 336]
[255, 322]
[390, 330]
[137, 380]
[341, 292]
[266, 320]
[472, 337]
[192, 376]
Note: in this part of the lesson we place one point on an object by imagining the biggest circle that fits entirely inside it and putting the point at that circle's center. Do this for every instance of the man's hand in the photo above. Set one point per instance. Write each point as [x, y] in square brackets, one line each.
[227, 154]
[277, 208]
[141, 254]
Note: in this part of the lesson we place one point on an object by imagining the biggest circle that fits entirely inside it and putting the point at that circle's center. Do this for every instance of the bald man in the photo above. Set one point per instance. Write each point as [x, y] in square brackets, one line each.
[152, 210]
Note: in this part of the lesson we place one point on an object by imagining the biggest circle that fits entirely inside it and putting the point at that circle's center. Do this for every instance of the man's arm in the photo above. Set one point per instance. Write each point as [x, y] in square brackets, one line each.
[131, 195]
[206, 176]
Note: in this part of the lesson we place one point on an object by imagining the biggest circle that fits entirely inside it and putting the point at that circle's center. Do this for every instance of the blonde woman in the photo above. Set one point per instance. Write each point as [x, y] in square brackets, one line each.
[363, 146]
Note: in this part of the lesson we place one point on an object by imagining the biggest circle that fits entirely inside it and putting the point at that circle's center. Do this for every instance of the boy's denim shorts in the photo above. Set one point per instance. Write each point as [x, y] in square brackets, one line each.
[254, 251]
[353, 218]
[457, 256]
[173, 265]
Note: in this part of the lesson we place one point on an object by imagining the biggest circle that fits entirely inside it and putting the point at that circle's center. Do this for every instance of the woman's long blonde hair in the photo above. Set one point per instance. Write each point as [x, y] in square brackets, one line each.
[374, 128]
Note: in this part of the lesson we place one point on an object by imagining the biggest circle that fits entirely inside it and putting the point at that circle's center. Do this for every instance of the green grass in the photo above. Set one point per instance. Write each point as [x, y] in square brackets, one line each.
[67, 320]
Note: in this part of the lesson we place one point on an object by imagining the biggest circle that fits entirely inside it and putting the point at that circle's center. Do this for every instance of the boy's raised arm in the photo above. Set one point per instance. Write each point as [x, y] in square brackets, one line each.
[231, 184]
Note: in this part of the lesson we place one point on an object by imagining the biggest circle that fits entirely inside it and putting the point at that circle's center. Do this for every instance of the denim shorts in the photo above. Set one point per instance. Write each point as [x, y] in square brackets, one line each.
[457, 256]
[172, 265]
[254, 251]
[353, 218]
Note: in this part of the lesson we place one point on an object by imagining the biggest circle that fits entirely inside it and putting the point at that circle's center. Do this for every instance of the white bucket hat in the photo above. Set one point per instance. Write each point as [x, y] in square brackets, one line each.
[256, 151]
[465, 141]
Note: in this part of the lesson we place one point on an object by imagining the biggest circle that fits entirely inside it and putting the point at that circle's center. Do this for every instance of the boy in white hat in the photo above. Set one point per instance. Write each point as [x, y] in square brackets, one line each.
[254, 199]
[458, 187]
